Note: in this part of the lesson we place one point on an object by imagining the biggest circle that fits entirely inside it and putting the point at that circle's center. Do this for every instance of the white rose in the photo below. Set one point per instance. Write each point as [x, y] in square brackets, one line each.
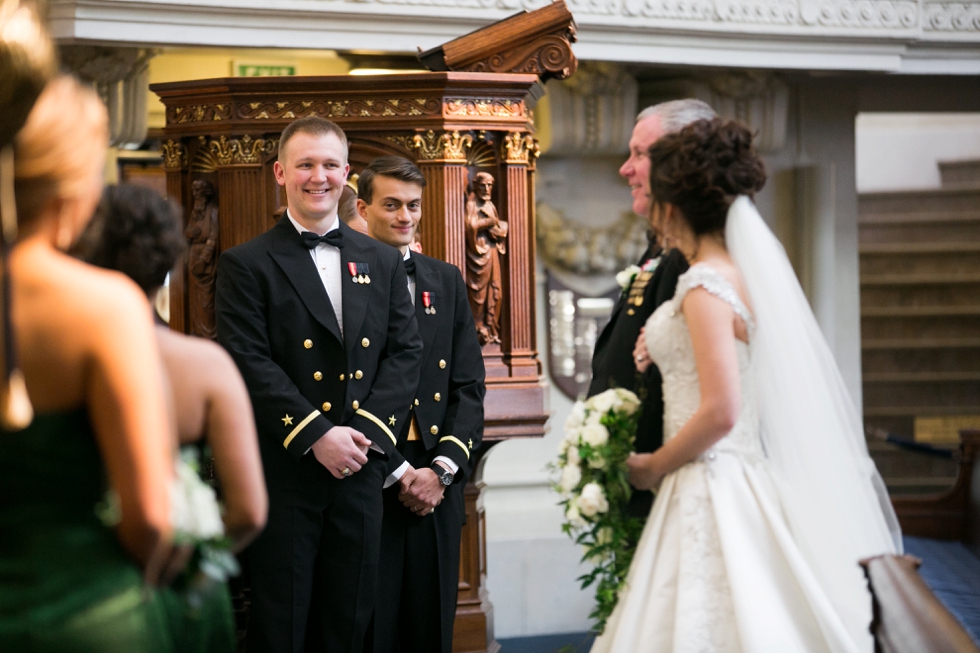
[595, 435]
[563, 445]
[194, 508]
[597, 462]
[573, 516]
[625, 277]
[604, 401]
[577, 414]
[572, 456]
[593, 418]
[592, 500]
[571, 475]
[629, 402]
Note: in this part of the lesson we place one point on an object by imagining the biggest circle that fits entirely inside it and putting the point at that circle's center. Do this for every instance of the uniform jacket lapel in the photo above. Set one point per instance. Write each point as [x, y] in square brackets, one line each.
[355, 295]
[426, 280]
[293, 257]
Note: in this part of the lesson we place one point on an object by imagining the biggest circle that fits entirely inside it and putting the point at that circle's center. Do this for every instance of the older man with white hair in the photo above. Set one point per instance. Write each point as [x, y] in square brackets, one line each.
[652, 284]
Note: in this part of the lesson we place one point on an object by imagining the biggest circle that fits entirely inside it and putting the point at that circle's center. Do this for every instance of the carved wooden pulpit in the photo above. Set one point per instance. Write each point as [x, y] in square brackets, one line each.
[221, 139]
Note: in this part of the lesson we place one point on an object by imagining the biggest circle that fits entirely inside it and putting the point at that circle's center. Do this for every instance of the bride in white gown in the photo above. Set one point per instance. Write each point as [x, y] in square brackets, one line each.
[767, 498]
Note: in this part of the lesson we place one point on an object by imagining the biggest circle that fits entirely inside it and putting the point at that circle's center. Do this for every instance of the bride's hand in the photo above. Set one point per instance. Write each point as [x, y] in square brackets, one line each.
[643, 473]
[640, 354]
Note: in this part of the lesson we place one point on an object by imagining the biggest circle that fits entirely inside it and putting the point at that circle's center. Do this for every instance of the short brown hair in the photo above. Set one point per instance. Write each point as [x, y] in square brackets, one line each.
[314, 126]
[396, 167]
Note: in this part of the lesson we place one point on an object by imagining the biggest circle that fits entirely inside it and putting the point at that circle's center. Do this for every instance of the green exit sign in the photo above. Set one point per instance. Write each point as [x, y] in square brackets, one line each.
[264, 70]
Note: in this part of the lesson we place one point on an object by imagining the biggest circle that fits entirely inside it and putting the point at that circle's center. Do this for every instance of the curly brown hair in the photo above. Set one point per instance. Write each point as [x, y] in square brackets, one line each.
[702, 169]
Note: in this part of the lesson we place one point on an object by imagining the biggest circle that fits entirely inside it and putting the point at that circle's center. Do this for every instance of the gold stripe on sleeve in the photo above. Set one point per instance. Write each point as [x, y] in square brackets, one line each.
[299, 427]
[450, 438]
[381, 425]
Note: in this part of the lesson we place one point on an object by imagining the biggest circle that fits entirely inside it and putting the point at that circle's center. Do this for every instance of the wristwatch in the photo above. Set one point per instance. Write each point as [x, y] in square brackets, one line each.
[445, 476]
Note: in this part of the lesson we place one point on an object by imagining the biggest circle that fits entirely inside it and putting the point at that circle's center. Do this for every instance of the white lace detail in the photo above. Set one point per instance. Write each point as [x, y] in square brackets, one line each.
[672, 351]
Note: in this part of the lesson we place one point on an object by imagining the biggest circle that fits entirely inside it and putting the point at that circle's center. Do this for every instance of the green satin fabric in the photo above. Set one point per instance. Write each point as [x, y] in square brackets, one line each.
[66, 585]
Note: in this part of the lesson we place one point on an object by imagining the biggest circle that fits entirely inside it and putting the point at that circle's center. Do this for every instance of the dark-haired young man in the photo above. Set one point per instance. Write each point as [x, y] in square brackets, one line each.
[419, 564]
[317, 318]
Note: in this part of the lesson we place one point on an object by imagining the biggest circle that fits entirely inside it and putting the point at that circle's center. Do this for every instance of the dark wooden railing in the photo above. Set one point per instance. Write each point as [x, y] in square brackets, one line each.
[908, 618]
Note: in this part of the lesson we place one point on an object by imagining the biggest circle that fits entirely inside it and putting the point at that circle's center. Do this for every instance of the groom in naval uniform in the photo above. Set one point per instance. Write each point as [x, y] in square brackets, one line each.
[319, 322]
[612, 363]
[419, 564]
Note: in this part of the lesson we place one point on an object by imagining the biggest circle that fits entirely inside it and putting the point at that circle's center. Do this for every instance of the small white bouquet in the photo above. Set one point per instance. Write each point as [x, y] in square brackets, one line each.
[593, 481]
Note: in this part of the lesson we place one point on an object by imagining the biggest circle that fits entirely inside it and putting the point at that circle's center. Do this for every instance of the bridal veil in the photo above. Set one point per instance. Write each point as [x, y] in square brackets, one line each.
[834, 500]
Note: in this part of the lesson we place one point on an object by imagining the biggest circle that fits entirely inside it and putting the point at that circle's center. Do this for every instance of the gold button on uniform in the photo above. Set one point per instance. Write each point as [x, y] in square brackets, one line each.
[317, 376]
[308, 343]
[365, 342]
[416, 402]
[358, 374]
[342, 377]
[442, 364]
[434, 430]
[437, 397]
[355, 404]
[327, 406]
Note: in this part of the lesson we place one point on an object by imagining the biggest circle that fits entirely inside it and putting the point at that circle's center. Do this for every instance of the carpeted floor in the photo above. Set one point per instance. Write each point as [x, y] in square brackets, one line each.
[563, 643]
[952, 571]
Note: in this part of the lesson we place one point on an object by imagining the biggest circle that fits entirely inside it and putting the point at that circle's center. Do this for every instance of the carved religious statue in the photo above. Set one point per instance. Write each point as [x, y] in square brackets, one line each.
[202, 236]
[486, 240]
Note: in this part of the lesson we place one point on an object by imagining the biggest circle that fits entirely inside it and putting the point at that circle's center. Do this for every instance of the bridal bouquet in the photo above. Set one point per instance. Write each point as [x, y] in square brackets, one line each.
[195, 515]
[594, 484]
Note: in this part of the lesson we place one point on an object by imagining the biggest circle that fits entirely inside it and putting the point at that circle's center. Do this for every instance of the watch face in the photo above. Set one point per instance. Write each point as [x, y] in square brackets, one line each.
[445, 476]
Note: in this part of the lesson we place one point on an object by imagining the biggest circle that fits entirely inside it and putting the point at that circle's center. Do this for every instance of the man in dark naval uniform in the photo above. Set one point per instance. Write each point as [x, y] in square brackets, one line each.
[318, 320]
[419, 564]
[612, 363]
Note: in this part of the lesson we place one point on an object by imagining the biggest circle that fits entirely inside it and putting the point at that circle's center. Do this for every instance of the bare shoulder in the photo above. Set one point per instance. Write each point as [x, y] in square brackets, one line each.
[198, 356]
[102, 298]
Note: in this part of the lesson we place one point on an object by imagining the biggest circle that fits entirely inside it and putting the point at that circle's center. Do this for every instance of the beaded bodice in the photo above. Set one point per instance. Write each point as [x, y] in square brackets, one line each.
[669, 342]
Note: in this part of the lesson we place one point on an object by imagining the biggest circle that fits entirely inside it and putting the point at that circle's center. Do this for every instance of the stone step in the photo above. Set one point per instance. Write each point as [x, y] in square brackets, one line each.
[919, 248]
[929, 327]
[955, 174]
[919, 231]
[912, 262]
[918, 311]
[868, 343]
[929, 398]
[921, 294]
[919, 201]
[919, 361]
[919, 278]
[911, 410]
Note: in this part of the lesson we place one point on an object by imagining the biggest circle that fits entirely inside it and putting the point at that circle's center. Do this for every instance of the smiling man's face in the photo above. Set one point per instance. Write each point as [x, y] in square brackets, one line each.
[636, 170]
[313, 172]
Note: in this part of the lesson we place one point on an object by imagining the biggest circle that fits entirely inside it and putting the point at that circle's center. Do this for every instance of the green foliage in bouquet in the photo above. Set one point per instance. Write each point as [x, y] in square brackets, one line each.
[594, 484]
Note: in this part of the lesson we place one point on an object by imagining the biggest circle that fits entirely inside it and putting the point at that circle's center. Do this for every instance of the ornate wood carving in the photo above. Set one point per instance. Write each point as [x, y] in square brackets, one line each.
[537, 42]
[486, 243]
[202, 238]
[448, 147]
[174, 155]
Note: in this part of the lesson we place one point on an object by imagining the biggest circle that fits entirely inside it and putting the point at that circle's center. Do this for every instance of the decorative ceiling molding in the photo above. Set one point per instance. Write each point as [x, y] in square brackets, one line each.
[876, 35]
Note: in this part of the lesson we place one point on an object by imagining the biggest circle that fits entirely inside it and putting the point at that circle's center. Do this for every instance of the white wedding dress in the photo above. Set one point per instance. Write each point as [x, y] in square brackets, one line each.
[719, 567]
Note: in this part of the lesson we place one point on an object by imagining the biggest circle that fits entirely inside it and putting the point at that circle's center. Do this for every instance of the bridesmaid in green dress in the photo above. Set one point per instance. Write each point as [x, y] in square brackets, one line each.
[92, 369]
[138, 232]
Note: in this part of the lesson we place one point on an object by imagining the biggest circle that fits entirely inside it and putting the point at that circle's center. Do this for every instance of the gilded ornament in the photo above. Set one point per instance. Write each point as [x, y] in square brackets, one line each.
[246, 150]
[200, 113]
[520, 147]
[174, 155]
[489, 107]
[446, 146]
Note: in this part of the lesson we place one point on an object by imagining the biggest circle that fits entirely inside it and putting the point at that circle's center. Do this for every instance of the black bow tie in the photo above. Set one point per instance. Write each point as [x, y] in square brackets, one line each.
[334, 237]
[410, 265]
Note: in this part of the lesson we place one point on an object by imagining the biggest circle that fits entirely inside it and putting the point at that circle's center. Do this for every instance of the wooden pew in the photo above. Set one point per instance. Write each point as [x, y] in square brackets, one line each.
[908, 618]
[955, 513]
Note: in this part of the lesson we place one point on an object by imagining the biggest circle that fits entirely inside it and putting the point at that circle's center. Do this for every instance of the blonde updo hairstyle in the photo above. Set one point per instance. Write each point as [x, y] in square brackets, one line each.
[60, 151]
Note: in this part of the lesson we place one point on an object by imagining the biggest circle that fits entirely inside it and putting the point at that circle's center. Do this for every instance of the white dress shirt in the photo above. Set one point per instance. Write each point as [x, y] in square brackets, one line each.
[327, 259]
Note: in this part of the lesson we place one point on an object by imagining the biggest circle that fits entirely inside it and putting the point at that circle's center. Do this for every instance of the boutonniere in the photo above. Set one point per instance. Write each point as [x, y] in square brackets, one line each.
[625, 277]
